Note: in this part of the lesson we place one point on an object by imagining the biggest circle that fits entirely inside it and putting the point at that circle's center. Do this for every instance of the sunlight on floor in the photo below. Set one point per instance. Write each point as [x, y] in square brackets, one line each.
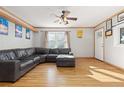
[115, 74]
[92, 67]
[51, 75]
[105, 75]
[102, 78]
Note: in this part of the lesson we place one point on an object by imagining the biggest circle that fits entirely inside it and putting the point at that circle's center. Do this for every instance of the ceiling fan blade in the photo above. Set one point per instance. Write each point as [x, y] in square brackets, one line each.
[55, 15]
[56, 21]
[72, 18]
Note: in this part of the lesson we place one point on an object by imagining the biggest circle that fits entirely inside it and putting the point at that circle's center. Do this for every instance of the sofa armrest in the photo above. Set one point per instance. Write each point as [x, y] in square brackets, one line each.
[70, 53]
[9, 70]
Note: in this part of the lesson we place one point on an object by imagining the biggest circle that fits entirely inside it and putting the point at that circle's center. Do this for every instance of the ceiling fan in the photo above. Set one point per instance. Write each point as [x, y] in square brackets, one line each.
[64, 17]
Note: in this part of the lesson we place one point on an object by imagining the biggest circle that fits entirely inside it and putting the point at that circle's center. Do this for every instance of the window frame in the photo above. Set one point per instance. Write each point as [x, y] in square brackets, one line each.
[67, 45]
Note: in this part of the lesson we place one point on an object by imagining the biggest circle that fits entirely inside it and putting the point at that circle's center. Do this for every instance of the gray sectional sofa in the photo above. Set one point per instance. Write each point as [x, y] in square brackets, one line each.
[15, 63]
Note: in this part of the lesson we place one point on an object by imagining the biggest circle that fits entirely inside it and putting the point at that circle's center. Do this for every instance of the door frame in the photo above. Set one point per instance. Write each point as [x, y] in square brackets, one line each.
[103, 43]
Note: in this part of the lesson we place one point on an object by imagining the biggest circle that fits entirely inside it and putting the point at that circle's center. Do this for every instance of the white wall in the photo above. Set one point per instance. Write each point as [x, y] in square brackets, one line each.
[10, 41]
[114, 53]
[81, 47]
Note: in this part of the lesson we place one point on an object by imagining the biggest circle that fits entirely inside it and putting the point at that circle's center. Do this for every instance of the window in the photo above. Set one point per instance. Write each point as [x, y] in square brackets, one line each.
[57, 40]
[118, 36]
[121, 35]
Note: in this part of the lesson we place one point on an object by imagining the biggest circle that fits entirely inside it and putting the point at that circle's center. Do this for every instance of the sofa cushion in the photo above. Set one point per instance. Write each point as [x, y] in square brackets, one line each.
[51, 57]
[53, 51]
[20, 53]
[3, 56]
[7, 54]
[11, 55]
[26, 64]
[42, 50]
[30, 51]
[42, 57]
[64, 50]
[32, 57]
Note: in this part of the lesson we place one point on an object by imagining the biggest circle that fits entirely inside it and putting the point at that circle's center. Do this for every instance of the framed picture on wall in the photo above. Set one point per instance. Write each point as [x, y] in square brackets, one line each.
[109, 25]
[108, 33]
[120, 17]
[18, 31]
[80, 33]
[28, 33]
[3, 26]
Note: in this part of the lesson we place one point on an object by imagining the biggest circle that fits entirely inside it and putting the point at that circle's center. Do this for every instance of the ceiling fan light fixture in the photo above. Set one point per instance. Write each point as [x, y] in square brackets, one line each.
[64, 17]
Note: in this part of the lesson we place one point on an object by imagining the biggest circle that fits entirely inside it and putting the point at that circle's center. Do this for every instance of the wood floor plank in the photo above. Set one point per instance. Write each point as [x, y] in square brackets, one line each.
[87, 73]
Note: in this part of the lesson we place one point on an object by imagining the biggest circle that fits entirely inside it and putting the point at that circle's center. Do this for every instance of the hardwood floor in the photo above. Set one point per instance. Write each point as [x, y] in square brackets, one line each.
[88, 72]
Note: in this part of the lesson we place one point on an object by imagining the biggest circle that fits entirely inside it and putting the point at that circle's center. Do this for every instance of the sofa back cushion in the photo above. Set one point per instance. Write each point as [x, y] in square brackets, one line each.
[11, 55]
[20, 53]
[53, 51]
[42, 50]
[64, 50]
[7, 55]
[30, 51]
[3, 55]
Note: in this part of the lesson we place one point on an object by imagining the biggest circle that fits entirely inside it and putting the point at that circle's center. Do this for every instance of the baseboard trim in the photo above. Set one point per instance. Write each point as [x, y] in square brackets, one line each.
[114, 65]
[84, 57]
[111, 64]
[99, 59]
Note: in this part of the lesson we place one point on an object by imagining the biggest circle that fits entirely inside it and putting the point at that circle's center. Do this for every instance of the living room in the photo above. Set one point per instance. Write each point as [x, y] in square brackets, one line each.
[56, 46]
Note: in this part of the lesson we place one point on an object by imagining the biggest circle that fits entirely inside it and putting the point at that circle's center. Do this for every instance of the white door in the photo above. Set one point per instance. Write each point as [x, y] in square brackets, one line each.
[99, 44]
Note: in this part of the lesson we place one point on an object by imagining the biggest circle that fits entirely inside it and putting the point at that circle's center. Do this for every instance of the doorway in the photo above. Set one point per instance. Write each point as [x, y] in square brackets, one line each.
[99, 44]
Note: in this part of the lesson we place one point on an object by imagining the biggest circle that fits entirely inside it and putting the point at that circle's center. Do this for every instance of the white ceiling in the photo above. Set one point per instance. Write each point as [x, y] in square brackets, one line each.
[42, 16]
